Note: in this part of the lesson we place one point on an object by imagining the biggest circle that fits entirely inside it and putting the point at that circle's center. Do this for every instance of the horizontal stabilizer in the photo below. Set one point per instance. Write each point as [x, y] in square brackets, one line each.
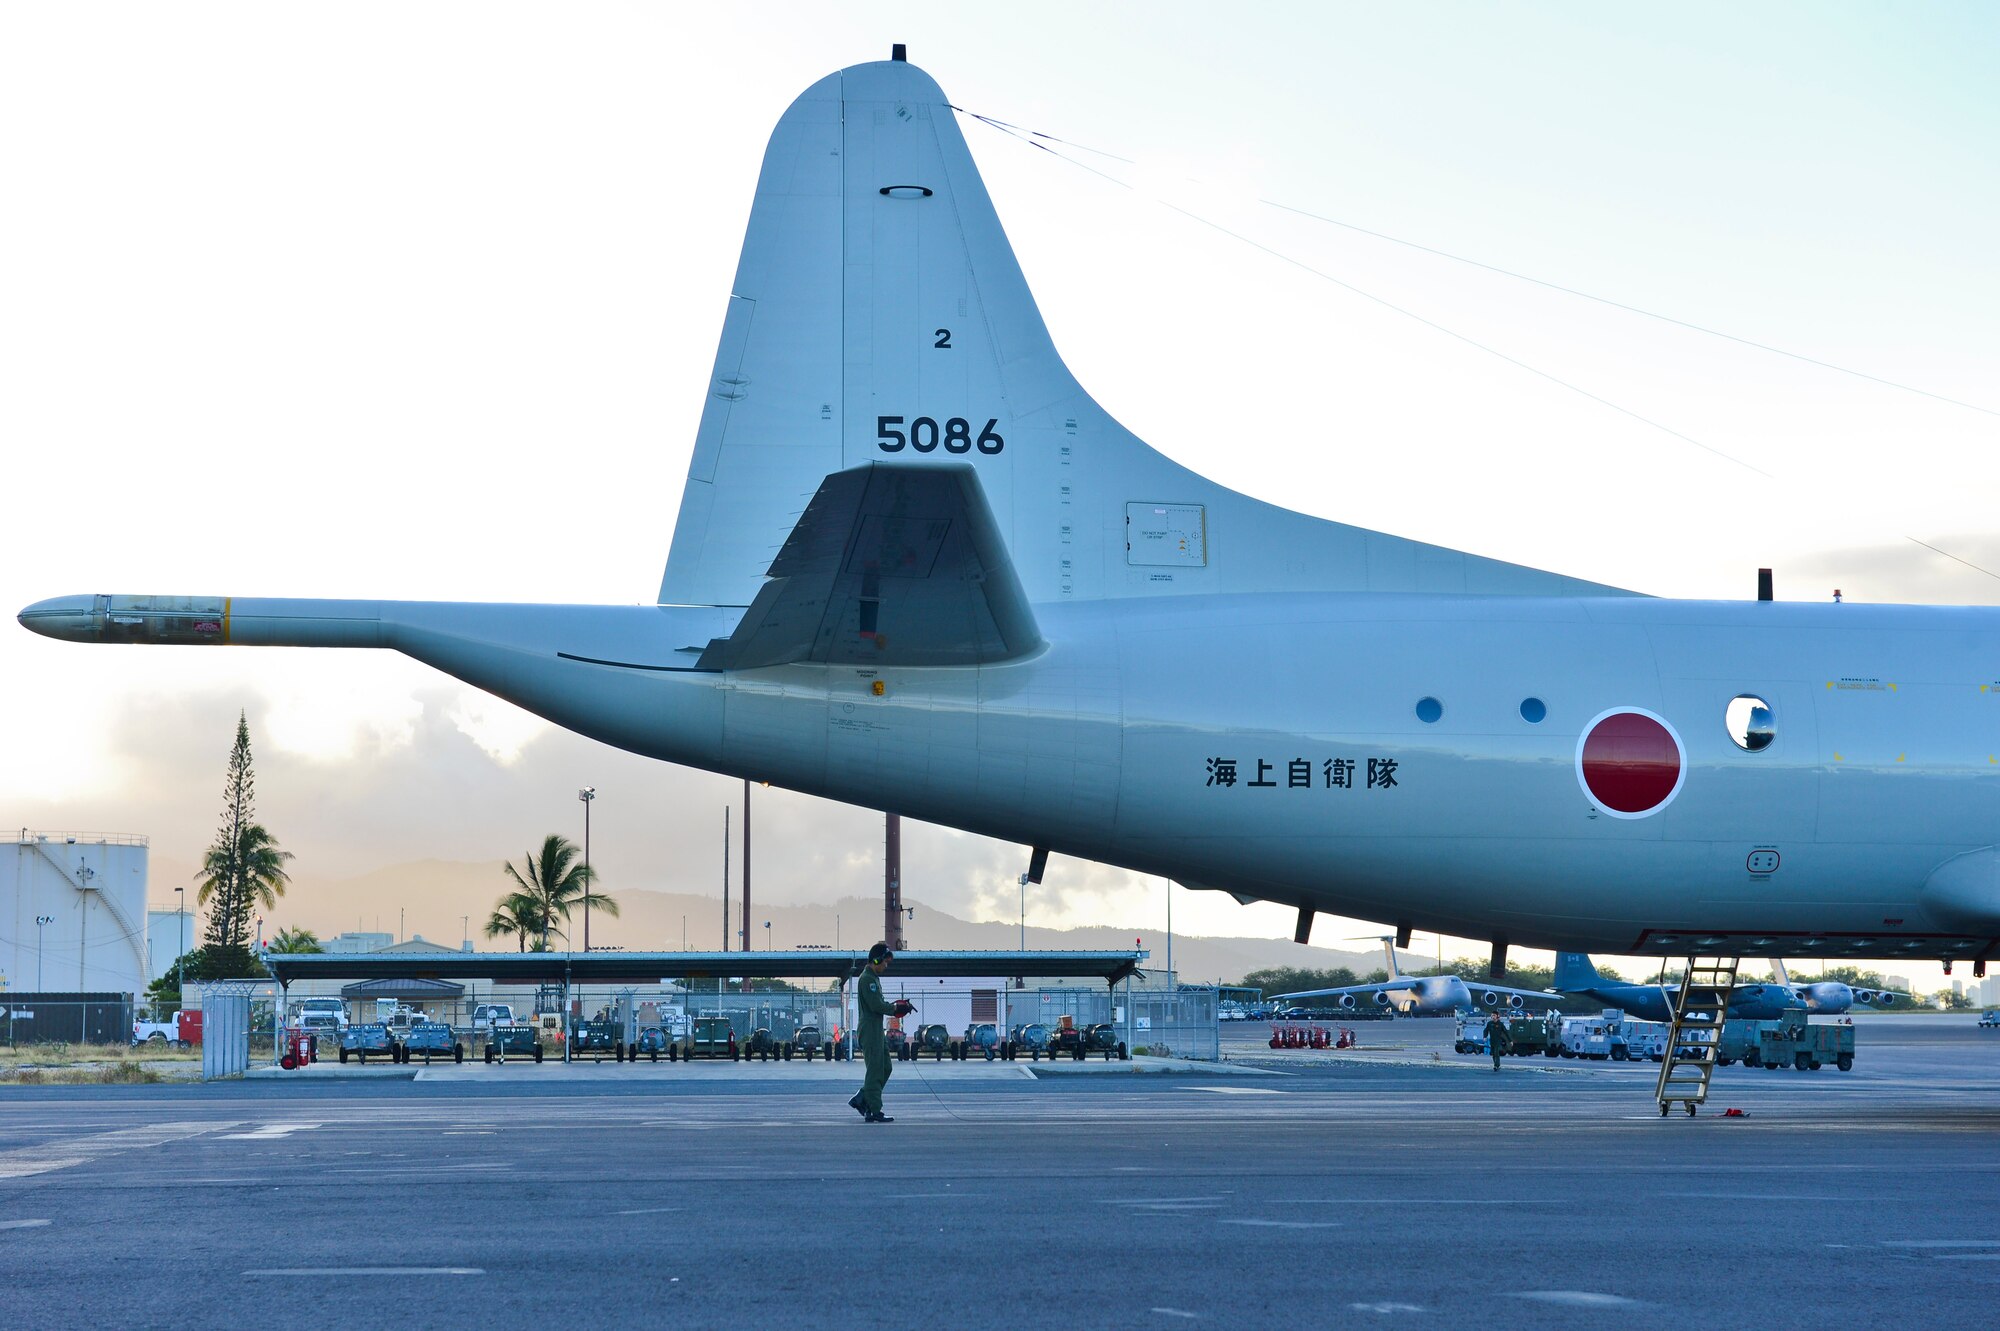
[889, 565]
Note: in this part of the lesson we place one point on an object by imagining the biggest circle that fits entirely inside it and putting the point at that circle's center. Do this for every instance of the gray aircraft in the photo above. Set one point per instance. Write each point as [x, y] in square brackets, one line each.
[1576, 976]
[1424, 995]
[1001, 611]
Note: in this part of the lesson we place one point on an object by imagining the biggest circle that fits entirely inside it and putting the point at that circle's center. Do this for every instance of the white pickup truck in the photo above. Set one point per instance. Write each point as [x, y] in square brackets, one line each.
[160, 1032]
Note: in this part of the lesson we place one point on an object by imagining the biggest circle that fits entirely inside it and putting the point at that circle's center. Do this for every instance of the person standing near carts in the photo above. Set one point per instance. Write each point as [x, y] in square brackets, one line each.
[867, 1102]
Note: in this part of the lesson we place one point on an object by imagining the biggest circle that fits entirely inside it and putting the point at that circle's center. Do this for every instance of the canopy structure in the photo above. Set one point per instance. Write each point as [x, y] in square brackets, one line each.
[402, 987]
[576, 968]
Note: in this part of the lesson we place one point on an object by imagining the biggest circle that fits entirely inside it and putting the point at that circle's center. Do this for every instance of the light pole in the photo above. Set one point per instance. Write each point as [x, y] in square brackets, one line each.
[1024, 912]
[41, 922]
[180, 921]
[587, 794]
[767, 935]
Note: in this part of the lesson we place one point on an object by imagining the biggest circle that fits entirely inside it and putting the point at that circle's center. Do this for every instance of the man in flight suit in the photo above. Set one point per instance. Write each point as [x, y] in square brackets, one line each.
[874, 1046]
[1497, 1039]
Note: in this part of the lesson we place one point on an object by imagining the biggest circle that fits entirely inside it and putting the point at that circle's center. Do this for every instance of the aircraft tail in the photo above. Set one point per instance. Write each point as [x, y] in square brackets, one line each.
[1389, 951]
[1575, 973]
[879, 315]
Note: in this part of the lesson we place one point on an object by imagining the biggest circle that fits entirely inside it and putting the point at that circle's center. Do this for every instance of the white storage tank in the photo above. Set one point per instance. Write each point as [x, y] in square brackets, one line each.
[90, 887]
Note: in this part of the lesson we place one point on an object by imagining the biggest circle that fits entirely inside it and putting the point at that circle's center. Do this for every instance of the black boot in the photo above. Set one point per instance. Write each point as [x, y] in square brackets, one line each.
[856, 1106]
[879, 1117]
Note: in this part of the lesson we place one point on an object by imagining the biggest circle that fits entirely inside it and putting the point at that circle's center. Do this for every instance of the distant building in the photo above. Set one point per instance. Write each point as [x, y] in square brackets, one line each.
[169, 933]
[91, 888]
[1900, 983]
[347, 944]
[418, 943]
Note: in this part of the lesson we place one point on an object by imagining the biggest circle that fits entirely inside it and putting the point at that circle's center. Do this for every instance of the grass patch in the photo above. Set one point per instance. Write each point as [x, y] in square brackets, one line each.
[60, 1052]
[109, 1074]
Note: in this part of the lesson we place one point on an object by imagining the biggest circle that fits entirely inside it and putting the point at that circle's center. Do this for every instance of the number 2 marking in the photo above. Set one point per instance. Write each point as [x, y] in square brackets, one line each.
[943, 342]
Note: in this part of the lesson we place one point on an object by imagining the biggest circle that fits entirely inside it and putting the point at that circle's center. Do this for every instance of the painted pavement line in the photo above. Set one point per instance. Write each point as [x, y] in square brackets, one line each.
[22, 1224]
[269, 1132]
[1286, 1224]
[369, 1271]
[1941, 1243]
[1574, 1298]
[29, 1160]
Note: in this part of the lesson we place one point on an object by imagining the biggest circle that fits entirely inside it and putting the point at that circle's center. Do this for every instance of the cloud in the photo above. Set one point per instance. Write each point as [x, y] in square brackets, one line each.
[461, 778]
[1901, 573]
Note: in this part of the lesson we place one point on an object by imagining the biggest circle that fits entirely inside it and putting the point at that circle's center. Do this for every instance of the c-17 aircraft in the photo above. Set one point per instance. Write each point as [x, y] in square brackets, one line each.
[1425, 995]
[1831, 997]
[1000, 611]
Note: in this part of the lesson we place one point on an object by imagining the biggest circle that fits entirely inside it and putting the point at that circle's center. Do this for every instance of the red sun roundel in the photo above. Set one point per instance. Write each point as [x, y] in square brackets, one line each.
[1630, 762]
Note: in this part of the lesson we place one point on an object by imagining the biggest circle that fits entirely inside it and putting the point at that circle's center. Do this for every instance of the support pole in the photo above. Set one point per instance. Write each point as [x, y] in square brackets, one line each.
[892, 883]
[1496, 969]
[1305, 926]
[746, 874]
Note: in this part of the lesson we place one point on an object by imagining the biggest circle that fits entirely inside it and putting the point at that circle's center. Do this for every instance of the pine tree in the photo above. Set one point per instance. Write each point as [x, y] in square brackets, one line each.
[243, 867]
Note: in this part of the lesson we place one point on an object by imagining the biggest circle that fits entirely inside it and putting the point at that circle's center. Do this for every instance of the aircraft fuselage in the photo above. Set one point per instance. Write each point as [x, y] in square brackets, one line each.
[1281, 746]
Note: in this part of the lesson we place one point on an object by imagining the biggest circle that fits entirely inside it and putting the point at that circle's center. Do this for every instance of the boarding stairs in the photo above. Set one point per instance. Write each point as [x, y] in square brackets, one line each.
[1695, 1037]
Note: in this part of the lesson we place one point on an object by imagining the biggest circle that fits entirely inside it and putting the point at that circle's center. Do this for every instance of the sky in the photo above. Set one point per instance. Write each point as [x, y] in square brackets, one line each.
[418, 302]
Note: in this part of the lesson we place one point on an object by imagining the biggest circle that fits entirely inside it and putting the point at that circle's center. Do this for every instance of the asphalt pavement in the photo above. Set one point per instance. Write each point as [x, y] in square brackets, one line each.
[1396, 1182]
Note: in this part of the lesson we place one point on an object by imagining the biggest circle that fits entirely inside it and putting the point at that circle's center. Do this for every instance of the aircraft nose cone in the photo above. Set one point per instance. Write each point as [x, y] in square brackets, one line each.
[70, 618]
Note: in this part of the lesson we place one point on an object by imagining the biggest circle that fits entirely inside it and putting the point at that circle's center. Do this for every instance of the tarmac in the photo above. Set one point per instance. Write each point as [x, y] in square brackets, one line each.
[1396, 1182]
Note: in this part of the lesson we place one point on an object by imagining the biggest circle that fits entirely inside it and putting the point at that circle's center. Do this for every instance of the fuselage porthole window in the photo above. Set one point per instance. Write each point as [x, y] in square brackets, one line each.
[1429, 710]
[1533, 711]
[1750, 723]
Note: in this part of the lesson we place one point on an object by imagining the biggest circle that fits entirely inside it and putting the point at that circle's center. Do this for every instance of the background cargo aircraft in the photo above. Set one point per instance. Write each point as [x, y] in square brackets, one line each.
[1002, 612]
[1764, 1002]
[1831, 997]
[1424, 995]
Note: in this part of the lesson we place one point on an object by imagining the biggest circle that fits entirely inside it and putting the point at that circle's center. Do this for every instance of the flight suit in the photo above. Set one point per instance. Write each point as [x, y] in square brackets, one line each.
[1496, 1038]
[874, 1044]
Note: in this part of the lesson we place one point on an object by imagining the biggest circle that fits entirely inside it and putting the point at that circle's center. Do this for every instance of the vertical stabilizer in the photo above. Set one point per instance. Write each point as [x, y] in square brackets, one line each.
[1389, 951]
[1575, 974]
[879, 315]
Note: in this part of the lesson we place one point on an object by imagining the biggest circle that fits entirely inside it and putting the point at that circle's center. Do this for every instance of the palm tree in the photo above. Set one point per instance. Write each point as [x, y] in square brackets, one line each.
[253, 869]
[518, 914]
[556, 882]
[295, 941]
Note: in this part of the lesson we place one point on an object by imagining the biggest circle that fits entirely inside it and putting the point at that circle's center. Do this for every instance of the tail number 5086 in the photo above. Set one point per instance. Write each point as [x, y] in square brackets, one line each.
[924, 435]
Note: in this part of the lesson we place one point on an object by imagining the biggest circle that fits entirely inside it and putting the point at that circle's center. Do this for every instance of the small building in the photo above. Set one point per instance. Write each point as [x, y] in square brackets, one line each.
[440, 1000]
